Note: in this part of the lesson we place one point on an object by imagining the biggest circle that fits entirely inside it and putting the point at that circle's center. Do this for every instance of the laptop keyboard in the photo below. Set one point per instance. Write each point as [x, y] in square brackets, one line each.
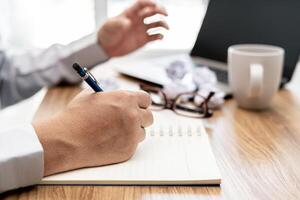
[222, 75]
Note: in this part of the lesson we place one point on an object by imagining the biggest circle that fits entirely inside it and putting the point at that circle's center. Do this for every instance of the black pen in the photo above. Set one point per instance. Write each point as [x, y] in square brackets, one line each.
[87, 77]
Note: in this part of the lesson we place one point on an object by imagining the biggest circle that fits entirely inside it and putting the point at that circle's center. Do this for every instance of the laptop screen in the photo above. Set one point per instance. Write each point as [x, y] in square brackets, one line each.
[274, 22]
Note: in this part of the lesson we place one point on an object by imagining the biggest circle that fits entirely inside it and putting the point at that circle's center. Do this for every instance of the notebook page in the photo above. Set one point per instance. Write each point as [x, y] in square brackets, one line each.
[176, 151]
[187, 142]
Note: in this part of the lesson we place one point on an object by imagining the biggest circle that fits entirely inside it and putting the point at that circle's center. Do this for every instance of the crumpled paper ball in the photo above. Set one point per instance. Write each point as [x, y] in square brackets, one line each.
[177, 70]
[175, 88]
[204, 77]
[185, 80]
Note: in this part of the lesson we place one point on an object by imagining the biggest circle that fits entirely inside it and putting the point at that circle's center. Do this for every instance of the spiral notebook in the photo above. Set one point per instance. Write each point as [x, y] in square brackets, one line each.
[176, 151]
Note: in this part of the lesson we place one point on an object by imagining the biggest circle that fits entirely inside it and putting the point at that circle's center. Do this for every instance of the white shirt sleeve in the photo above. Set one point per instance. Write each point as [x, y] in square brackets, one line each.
[21, 76]
[21, 158]
[24, 74]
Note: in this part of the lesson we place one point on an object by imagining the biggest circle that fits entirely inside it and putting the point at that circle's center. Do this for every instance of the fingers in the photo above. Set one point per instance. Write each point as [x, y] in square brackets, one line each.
[154, 37]
[141, 4]
[146, 120]
[146, 117]
[143, 99]
[141, 135]
[150, 11]
[158, 24]
[144, 8]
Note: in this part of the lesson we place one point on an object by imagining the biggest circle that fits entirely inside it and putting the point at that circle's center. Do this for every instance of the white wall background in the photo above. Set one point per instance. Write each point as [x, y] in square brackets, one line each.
[36, 23]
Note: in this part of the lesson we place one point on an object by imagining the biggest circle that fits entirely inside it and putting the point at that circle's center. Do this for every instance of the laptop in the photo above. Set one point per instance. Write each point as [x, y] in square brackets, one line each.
[274, 22]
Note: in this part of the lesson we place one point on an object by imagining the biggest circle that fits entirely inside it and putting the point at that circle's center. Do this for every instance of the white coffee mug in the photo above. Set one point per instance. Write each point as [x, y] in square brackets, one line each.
[254, 73]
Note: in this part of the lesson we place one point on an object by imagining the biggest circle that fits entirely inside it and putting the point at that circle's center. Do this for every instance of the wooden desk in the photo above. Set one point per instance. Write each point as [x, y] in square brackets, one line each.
[258, 155]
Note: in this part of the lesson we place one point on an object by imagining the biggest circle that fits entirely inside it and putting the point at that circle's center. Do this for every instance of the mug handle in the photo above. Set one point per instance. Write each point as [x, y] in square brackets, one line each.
[256, 80]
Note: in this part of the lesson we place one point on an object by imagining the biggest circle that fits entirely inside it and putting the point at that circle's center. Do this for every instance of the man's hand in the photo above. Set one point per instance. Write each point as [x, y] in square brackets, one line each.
[127, 32]
[95, 129]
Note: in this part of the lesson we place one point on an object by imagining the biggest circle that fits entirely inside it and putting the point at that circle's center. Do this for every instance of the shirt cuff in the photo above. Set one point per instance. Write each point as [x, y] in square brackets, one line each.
[21, 158]
[86, 52]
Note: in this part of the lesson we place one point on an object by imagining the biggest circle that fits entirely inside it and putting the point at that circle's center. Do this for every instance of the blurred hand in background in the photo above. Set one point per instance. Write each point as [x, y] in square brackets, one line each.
[127, 32]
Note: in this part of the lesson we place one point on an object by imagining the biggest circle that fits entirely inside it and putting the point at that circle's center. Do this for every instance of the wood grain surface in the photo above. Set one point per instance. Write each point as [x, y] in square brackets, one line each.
[258, 154]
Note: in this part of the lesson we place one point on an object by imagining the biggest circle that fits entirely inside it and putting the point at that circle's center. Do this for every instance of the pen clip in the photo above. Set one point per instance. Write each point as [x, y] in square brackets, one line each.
[90, 75]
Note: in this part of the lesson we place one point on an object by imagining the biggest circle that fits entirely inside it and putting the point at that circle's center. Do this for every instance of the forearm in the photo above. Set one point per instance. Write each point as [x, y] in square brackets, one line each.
[21, 76]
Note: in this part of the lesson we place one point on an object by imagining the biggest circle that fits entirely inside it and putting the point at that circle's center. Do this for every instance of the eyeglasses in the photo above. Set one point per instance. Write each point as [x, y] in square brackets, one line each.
[189, 104]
